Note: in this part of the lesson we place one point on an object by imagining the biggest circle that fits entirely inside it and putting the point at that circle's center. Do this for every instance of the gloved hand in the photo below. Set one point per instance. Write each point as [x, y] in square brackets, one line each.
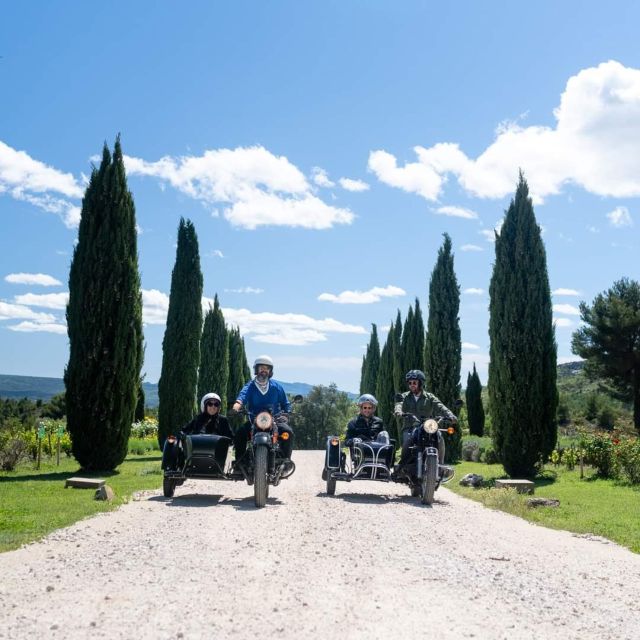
[357, 440]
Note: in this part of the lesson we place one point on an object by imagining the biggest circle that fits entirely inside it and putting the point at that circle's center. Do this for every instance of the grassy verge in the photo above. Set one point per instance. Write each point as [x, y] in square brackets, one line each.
[602, 507]
[34, 503]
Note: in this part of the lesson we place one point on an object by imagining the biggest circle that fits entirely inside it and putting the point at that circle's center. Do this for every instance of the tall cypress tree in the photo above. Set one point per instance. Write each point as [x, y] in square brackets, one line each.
[214, 353]
[236, 365]
[104, 320]
[370, 377]
[443, 348]
[384, 389]
[418, 337]
[245, 365]
[363, 372]
[522, 368]
[181, 343]
[473, 397]
[407, 348]
[398, 360]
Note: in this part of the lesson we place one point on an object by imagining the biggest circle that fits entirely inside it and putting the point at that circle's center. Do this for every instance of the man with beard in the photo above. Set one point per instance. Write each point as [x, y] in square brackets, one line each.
[262, 393]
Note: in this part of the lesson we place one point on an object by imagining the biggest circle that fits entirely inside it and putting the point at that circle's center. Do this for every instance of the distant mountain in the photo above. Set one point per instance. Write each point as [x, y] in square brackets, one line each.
[45, 388]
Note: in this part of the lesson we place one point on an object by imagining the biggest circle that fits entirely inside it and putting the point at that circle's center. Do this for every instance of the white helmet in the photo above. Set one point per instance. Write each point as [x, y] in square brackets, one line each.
[266, 360]
[367, 398]
[208, 396]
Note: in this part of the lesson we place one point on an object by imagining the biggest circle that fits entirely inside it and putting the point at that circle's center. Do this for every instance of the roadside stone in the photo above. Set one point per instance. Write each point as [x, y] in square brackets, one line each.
[105, 493]
[472, 480]
[543, 502]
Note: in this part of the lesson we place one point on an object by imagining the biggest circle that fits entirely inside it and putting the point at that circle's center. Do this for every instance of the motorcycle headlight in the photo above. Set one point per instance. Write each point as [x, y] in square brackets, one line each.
[263, 421]
[430, 426]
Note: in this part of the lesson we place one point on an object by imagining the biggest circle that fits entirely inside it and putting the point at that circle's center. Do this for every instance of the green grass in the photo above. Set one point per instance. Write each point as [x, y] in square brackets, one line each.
[605, 508]
[34, 503]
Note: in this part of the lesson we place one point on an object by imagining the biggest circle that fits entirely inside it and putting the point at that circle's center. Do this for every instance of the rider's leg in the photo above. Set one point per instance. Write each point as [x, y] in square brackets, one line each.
[240, 439]
[407, 438]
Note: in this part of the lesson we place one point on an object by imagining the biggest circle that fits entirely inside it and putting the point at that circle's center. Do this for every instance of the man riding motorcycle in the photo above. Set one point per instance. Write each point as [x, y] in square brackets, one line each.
[260, 394]
[423, 405]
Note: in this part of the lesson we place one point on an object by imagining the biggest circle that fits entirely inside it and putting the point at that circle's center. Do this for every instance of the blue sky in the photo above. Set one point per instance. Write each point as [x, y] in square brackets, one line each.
[321, 150]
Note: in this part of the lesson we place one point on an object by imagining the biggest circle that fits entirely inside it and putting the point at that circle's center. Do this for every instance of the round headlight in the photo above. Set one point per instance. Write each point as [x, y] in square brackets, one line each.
[430, 426]
[263, 420]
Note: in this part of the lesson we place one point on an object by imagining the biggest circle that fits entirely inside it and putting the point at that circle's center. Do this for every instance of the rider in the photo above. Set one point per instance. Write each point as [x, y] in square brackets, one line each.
[422, 404]
[209, 419]
[365, 425]
[260, 394]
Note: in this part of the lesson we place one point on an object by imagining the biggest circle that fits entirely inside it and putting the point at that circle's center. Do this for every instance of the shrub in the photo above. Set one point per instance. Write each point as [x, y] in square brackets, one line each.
[627, 454]
[145, 428]
[490, 456]
[598, 449]
[471, 451]
[606, 419]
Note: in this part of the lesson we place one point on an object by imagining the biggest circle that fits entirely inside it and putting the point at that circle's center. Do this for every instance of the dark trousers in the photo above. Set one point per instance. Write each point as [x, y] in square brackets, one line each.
[243, 433]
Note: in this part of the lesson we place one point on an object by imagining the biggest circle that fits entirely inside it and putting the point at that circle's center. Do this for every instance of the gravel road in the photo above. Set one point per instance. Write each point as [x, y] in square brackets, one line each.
[366, 563]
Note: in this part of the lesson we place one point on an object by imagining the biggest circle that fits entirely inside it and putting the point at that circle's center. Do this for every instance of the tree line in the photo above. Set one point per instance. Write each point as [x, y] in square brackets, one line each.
[104, 323]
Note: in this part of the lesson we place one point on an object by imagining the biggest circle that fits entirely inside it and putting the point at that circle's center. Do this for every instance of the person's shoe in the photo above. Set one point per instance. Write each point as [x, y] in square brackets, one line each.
[398, 472]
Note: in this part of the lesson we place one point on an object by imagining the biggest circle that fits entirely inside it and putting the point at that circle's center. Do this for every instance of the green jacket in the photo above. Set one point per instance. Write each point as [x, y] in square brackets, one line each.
[425, 406]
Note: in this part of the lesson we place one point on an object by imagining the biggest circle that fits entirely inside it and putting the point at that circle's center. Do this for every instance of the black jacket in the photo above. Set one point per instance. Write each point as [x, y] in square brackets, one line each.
[362, 428]
[204, 423]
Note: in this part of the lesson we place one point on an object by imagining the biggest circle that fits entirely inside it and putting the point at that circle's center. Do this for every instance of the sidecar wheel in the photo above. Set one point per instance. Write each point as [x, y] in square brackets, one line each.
[331, 484]
[429, 479]
[260, 485]
[168, 487]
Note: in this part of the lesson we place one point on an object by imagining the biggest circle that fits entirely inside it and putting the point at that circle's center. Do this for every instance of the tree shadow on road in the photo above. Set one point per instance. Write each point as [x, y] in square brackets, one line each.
[213, 500]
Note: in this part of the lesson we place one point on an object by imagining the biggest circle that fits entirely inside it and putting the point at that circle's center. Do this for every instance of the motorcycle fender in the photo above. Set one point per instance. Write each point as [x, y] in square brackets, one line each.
[261, 439]
[332, 458]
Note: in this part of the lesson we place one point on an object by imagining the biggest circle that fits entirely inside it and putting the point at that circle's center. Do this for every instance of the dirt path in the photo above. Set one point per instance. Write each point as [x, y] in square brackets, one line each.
[367, 563]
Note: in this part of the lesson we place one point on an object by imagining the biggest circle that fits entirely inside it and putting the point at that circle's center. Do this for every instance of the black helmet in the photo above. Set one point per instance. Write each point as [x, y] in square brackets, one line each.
[415, 374]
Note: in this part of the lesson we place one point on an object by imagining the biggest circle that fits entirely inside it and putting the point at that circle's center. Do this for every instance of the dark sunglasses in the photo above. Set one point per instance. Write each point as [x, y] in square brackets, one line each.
[212, 403]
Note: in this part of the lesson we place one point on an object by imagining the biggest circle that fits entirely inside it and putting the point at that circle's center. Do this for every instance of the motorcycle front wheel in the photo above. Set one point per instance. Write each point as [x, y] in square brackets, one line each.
[260, 484]
[331, 483]
[168, 487]
[429, 479]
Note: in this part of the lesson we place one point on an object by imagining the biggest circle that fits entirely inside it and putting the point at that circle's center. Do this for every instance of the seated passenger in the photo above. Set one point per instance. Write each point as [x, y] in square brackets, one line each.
[366, 426]
[209, 419]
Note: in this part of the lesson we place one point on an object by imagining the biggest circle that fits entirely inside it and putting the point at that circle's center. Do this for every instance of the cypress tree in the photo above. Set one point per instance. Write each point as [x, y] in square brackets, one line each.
[370, 377]
[363, 372]
[245, 365]
[139, 412]
[181, 342]
[398, 361]
[384, 389]
[522, 368]
[407, 342]
[214, 353]
[236, 365]
[104, 320]
[443, 348]
[473, 397]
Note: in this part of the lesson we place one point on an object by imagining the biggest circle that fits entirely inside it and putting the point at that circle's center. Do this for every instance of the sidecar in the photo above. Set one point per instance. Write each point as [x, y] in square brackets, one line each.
[368, 460]
[195, 456]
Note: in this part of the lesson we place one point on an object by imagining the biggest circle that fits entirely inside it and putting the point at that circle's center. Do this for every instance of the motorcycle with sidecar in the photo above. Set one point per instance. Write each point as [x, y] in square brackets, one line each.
[204, 456]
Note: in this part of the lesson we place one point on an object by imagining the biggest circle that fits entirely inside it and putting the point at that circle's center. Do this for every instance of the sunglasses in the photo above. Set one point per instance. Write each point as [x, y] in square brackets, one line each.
[413, 382]
[213, 403]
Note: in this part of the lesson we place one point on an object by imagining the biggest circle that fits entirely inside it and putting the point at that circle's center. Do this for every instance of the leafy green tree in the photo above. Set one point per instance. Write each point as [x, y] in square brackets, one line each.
[324, 412]
[592, 407]
[56, 408]
[372, 363]
[214, 353]
[443, 348]
[522, 369]
[384, 390]
[139, 412]
[245, 364]
[104, 320]
[609, 341]
[181, 343]
[473, 397]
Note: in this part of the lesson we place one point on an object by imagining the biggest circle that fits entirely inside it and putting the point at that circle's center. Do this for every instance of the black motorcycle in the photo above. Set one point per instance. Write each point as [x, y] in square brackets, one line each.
[204, 455]
[422, 471]
[368, 460]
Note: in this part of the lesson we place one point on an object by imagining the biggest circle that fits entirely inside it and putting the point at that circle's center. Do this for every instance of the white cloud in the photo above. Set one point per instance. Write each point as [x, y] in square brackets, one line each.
[260, 188]
[565, 292]
[329, 362]
[10, 311]
[46, 300]
[363, 297]
[215, 253]
[620, 217]
[321, 178]
[567, 309]
[457, 212]
[563, 322]
[36, 327]
[353, 185]
[471, 247]
[41, 279]
[594, 144]
[245, 290]
[469, 345]
[474, 291]
[593, 229]
[267, 327]
[29, 180]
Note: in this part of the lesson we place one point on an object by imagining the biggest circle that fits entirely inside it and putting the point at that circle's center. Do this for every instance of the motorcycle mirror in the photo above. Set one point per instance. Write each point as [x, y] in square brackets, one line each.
[298, 398]
[458, 403]
[398, 397]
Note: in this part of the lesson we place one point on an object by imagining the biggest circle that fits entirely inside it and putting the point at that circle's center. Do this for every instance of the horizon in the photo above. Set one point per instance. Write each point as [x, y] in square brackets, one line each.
[321, 151]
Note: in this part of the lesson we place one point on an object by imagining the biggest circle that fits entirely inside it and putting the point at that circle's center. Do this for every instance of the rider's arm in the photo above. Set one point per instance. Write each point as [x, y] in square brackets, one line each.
[242, 397]
[283, 400]
[439, 410]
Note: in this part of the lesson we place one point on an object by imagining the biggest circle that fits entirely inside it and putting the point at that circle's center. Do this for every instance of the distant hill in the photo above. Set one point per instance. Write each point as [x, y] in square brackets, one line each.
[45, 388]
